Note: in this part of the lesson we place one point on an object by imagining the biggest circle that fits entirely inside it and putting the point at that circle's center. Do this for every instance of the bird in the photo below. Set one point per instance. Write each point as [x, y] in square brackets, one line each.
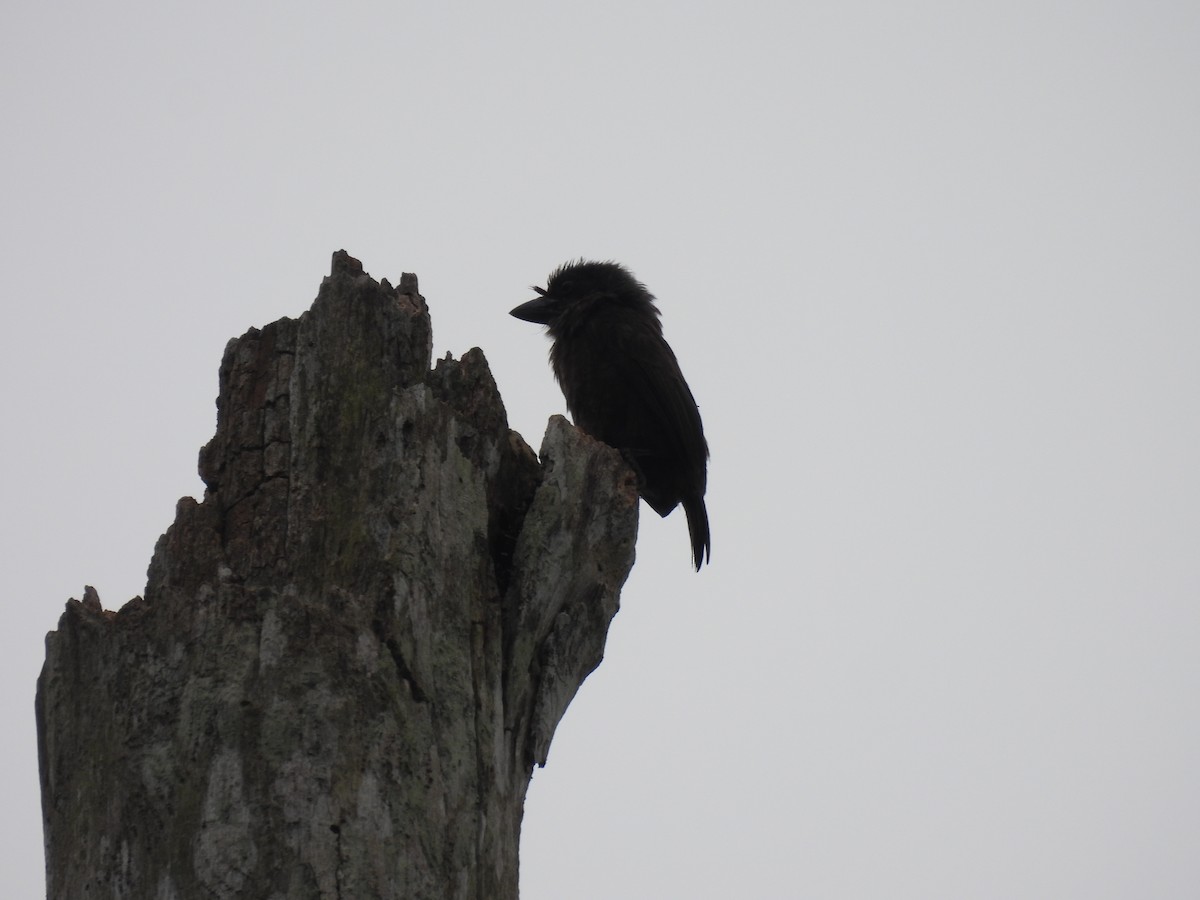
[623, 384]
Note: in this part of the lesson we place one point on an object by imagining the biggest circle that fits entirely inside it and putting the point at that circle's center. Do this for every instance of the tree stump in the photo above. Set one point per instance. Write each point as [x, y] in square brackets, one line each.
[353, 652]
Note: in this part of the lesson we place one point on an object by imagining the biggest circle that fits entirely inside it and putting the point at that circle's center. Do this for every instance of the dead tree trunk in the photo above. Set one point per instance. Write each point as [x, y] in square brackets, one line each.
[353, 652]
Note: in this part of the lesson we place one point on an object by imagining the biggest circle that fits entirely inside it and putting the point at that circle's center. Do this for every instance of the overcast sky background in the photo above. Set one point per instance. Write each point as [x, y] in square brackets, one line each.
[932, 270]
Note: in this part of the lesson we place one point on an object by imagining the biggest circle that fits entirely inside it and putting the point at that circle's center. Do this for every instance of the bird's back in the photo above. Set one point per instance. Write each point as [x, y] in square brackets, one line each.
[623, 386]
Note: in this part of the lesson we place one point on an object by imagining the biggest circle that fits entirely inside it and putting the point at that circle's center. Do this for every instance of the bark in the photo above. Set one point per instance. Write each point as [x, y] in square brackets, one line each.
[353, 652]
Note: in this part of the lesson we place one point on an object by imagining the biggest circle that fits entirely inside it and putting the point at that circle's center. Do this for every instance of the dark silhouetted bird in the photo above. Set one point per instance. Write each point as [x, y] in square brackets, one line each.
[623, 384]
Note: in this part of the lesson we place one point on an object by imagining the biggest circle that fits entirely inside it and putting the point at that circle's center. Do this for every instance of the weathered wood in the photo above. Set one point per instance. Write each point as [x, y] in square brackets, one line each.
[353, 652]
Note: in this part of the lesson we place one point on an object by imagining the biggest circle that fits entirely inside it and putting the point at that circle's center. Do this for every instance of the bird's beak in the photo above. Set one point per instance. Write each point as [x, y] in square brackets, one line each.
[539, 310]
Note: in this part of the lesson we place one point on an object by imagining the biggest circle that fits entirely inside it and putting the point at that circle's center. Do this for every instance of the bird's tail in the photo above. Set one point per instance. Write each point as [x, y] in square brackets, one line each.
[697, 519]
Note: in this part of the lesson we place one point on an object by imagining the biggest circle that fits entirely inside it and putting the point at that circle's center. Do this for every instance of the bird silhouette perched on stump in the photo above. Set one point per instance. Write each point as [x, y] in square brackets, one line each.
[623, 385]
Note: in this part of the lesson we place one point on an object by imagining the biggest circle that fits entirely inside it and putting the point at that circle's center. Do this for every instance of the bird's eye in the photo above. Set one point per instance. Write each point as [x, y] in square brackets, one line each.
[565, 287]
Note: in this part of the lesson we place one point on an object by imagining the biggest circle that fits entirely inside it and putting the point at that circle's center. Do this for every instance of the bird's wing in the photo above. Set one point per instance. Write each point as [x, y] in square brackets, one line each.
[657, 383]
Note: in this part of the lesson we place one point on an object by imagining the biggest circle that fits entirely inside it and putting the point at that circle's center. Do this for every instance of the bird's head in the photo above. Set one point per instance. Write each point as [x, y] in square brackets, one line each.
[576, 286]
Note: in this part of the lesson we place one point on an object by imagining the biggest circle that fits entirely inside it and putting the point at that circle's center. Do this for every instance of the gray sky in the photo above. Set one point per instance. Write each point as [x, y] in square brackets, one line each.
[932, 271]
